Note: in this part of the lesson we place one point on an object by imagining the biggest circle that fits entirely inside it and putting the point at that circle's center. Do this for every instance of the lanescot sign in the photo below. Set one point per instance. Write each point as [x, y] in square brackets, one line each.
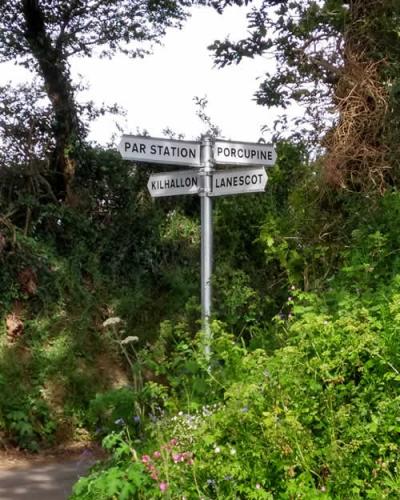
[154, 150]
[237, 181]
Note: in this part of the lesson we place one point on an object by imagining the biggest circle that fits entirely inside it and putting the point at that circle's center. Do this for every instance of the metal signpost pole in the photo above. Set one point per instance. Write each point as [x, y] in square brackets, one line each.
[206, 241]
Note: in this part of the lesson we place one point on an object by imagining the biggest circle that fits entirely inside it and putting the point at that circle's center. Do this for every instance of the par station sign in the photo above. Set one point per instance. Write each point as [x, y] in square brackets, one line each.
[154, 150]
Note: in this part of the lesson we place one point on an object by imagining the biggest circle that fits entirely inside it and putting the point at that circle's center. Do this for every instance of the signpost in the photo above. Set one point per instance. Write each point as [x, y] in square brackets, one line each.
[243, 153]
[238, 181]
[154, 150]
[206, 182]
[174, 183]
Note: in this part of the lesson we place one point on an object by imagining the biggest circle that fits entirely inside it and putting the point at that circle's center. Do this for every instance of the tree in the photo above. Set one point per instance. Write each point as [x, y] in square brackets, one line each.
[43, 34]
[341, 53]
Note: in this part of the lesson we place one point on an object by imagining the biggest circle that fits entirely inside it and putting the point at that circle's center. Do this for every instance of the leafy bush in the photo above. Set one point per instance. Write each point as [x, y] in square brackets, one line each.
[317, 417]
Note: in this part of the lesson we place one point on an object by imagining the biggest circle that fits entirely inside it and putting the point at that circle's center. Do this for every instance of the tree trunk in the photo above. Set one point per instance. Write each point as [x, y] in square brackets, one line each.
[54, 69]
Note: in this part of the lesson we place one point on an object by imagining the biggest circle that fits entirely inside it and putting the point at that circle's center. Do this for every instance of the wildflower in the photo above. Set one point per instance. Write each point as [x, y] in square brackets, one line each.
[233, 451]
[217, 449]
[258, 486]
[163, 486]
[136, 419]
[156, 454]
[112, 321]
[128, 340]
[173, 442]
[177, 457]
[146, 459]
[119, 421]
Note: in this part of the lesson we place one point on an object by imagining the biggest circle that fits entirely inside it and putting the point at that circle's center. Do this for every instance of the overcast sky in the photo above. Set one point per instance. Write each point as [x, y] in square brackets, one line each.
[157, 91]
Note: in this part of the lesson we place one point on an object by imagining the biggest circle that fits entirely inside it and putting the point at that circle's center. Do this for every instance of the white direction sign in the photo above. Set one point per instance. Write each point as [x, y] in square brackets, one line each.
[239, 180]
[243, 153]
[154, 150]
[174, 183]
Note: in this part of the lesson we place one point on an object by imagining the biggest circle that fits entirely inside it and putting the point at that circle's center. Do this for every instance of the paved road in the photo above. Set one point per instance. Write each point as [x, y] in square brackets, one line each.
[47, 481]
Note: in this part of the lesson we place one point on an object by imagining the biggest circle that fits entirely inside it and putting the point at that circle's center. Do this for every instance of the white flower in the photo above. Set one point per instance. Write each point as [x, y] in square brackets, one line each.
[128, 340]
[112, 321]
[233, 451]
[217, 449]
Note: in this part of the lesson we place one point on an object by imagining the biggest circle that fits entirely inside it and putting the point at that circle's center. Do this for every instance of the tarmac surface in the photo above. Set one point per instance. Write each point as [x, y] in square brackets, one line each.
[50, 479]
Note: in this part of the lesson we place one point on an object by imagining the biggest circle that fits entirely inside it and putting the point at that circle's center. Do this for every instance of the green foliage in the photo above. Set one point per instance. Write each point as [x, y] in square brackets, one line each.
[112, 409]
[317, 417]
[115, 482]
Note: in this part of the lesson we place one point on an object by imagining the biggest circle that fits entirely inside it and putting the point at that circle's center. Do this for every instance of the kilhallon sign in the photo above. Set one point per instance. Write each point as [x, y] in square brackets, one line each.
[203, 180]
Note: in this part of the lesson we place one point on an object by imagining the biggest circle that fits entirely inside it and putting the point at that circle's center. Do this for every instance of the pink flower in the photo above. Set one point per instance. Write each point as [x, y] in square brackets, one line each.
[163, 486]
[146, 459]
[177, 457]
[173, 442]
[154, 475]
[156, 454]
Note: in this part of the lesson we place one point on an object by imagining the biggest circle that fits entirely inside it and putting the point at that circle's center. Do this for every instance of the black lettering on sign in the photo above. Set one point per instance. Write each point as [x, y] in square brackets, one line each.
[219, 150]
[142, 148]
[263, 155]
[233, 152]
[135, 147]
[184, 152]
[192, 153]
[127, 146]
[153, 150]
